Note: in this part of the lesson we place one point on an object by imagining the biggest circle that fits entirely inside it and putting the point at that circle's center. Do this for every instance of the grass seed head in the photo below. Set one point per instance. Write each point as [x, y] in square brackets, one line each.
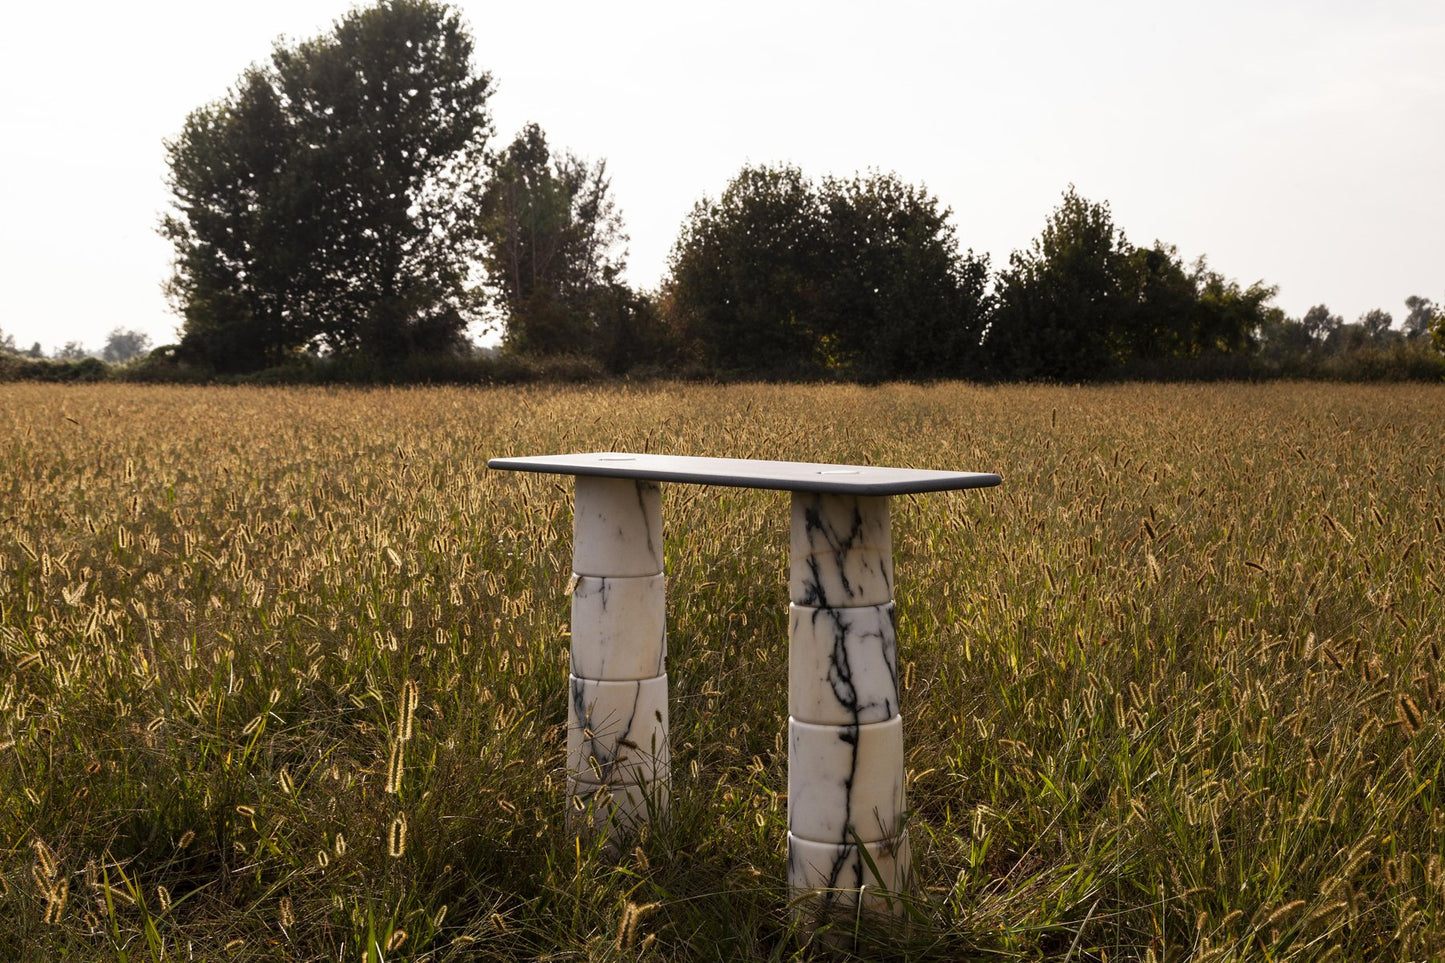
[396, 765]
[396, 837]
[56, 899]
[1409, 713]
[410, 696]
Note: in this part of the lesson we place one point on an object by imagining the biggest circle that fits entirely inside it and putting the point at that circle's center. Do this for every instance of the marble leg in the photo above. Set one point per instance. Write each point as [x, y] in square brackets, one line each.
[617, 749]
[845, 733]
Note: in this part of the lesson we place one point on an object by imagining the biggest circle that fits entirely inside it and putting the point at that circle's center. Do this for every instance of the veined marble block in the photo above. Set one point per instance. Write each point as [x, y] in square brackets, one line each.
[843, 874]
[625, 806]
[619, 627]
[616, 527]
[842, 551]
[622, 726]
[845, 780]
[842, 664]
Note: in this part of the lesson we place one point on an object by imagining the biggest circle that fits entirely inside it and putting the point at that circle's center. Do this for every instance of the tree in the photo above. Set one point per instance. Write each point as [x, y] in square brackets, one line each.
[328, 202]
[7, 343]
[1417, 322]
[1230, 317]
[897, 298]
[1083, 301]
[781, 277]
[554, 246]
[121, 346]
[1347, 338]
[72, 351]
[745, 273]
[631, 330]
[1162, 319]
[1063, 305]
[1284, 340]
[1376, 324]
[1320, 323]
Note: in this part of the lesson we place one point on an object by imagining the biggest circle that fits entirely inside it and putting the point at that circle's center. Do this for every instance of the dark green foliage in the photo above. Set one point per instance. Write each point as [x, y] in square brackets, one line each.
[1229, 316]
[1164, 318]
[1282, 339]
[553, 236]
[328, 202]
[1063, 305]
[899, 300]
[1348, 338]
[630, 333]
[1332, 338]
[745, 274]
[780, 277]
[1083, 303]
[25, 368]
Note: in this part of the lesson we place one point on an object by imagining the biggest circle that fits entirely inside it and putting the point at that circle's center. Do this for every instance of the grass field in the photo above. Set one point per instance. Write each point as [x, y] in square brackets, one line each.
[282, 674]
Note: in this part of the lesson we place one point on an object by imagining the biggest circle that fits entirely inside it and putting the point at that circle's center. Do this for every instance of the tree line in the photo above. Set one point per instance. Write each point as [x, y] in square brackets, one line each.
[121, 346]
[344, 204]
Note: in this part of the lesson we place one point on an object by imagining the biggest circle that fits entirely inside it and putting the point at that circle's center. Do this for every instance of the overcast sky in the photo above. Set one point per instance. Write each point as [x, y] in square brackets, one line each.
[1299, 143]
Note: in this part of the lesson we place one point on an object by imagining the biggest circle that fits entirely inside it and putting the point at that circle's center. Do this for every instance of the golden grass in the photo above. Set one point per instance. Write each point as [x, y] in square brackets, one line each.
[283, 673]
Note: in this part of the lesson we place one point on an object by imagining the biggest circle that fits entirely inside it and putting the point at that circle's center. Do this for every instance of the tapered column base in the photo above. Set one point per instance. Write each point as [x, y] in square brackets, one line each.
[615, 811]
[843, 876]
[617, 731]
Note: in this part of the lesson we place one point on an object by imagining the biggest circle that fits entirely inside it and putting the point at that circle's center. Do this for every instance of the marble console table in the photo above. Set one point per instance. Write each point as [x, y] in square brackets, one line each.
[845, 733]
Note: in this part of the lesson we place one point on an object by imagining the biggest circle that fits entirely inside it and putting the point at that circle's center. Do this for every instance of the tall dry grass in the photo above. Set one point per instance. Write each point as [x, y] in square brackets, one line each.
[283, 674]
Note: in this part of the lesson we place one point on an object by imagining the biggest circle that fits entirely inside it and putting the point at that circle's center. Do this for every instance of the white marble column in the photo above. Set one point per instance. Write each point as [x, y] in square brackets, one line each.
[845, 734]
[617, 751]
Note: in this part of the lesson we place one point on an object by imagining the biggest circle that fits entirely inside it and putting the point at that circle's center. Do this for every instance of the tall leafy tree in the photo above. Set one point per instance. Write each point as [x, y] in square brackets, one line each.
[1320, 324]
[329, 200]
[554, 246]
[746, 275]
[1083, 301]
[1421, 312]
[1376, 323]
[862, 277]
[1229, 317]
[1064, 304]
[899, 300]
[1161, 318]
[1179, 312]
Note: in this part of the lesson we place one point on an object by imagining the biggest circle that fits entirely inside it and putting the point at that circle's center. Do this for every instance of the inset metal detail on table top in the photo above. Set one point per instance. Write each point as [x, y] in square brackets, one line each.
[791, 476]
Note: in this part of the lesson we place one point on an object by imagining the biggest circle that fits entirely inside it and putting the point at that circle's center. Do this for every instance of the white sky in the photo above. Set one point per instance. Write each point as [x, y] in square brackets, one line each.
[1301, 142]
